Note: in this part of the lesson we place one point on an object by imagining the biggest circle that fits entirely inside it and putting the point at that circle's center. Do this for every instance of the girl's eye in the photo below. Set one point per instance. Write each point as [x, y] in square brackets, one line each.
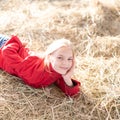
[70, 59]
[60, 58]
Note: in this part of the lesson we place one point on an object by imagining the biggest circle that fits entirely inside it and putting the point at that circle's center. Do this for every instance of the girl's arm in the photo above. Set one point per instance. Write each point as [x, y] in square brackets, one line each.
[69, 86]
[67, 76]
[68, 90]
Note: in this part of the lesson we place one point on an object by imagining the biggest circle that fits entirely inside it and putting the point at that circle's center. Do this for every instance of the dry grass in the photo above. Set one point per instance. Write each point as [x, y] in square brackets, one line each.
[94, 28]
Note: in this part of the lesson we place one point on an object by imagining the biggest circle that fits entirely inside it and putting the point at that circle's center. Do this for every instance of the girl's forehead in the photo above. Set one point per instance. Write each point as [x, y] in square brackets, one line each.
[64, 51]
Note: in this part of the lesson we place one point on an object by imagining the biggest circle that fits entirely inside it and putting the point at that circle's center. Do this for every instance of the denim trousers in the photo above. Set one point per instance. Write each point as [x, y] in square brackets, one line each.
[3, 39]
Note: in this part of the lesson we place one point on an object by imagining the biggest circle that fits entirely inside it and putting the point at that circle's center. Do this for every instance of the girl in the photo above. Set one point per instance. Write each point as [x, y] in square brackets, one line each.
[54, 66]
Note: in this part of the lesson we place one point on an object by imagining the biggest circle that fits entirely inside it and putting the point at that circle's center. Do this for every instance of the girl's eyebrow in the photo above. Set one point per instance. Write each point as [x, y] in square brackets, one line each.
[60, 55]
[63, 56]
[71, 57]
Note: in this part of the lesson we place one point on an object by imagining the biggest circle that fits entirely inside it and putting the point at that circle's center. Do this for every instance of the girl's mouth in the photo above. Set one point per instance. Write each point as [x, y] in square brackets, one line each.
[64, 68]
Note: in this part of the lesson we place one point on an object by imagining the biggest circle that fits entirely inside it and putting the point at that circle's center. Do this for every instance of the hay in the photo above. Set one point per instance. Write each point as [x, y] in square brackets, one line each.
[94, 28]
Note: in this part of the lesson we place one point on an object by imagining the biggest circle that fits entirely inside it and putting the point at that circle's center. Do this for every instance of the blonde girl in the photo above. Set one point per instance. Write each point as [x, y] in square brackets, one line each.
[56, 67]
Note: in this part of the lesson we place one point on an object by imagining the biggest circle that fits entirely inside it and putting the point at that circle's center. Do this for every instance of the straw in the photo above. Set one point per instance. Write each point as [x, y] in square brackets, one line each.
[94, 28]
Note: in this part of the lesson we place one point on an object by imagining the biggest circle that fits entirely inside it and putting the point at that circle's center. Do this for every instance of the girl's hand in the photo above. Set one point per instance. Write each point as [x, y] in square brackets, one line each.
[24, 43]
[67, 76]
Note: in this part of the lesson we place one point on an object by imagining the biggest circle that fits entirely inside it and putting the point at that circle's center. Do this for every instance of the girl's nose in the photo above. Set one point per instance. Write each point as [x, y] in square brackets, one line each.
[65, 62]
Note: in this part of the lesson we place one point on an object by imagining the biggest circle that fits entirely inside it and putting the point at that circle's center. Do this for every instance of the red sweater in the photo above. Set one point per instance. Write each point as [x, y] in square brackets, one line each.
[15, 59]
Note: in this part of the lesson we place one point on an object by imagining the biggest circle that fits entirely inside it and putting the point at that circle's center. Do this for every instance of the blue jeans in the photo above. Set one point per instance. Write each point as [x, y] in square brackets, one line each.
[3, 40]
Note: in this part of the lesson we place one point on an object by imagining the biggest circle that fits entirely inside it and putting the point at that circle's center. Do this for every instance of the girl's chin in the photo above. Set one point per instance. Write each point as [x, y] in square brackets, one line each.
[62, 72]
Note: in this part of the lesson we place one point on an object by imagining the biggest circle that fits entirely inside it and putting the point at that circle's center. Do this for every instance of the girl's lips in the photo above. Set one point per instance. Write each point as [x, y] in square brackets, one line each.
[64, 68]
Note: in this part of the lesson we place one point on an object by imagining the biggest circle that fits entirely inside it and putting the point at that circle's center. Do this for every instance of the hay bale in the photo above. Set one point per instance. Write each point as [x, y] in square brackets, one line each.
[94, 28]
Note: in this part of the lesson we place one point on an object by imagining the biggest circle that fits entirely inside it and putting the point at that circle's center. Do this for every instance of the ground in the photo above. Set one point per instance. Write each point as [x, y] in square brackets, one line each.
[94, 28]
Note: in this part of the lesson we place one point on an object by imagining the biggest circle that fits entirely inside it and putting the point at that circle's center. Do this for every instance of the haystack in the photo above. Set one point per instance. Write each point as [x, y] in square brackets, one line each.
[94, 28]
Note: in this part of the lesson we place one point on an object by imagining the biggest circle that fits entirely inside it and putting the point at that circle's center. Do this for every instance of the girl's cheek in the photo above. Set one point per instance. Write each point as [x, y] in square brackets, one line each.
[51, 59]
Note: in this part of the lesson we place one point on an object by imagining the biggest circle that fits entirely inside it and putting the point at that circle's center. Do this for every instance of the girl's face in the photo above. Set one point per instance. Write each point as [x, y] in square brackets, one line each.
[62, 60]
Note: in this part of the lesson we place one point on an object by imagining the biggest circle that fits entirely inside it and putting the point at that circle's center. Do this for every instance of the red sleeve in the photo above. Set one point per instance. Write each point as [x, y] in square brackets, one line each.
[69, 91]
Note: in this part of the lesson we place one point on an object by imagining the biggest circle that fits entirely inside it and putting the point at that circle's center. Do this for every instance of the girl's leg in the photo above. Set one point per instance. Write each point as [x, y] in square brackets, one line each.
[3, 40]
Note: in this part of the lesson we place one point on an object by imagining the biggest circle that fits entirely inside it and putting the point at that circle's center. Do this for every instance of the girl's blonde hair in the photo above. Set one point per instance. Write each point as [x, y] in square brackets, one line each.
[55, 46]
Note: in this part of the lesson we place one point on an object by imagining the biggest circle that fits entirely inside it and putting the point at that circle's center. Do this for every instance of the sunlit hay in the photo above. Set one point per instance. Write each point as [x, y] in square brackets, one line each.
[108, 18]
[106, 47]
[94, 29]
[100, 75]
[100, 80]
[113, 4]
